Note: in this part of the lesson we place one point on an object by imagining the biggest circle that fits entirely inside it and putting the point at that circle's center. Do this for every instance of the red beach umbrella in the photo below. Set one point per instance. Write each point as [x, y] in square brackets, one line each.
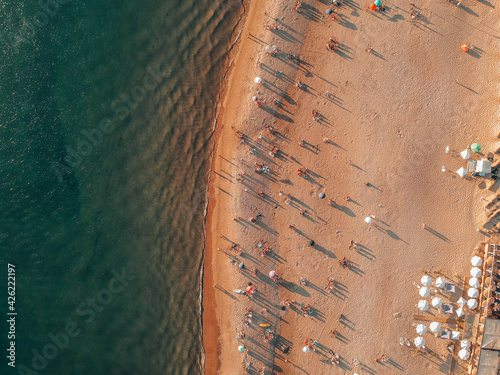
[465, 48]
[373, 6]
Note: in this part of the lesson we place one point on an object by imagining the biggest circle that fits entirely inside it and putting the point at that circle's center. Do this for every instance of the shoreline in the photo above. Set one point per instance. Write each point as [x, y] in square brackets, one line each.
[209, 325]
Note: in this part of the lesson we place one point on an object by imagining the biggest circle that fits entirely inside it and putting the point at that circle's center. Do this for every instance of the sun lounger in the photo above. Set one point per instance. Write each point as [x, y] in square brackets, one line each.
[449, 288]
[444, 335]
[448, 309]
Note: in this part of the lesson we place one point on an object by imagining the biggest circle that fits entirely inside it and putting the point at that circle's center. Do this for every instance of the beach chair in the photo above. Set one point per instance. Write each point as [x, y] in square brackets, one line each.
[444, 335]
[449, 288]
[447, 309]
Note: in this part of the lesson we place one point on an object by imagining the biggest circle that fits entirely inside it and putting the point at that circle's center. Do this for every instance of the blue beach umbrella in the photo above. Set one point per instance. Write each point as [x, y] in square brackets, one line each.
[242, 266]
[329, 11]
[378, 3]
[321, 195]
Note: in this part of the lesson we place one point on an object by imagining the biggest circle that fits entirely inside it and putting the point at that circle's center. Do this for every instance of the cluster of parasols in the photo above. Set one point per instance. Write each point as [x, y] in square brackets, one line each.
[472, 304]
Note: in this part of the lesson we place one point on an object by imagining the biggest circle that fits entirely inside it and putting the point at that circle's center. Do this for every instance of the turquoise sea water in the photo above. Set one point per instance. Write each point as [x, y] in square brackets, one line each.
[106, 122]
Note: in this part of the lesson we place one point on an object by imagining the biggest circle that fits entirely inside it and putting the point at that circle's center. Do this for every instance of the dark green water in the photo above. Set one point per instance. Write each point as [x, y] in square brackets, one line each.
[106, 121]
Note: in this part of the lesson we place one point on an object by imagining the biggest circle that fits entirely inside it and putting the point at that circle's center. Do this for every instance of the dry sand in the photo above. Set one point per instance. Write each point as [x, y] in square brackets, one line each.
[391, 112]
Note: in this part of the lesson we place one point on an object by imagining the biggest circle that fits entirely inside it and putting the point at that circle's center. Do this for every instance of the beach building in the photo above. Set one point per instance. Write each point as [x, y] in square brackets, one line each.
[481, 167]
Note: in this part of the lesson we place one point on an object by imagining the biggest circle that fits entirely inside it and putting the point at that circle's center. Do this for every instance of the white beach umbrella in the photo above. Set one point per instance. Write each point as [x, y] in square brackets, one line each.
[464, 354]
[476, 261]
[435, 327]
[473, 293]
[305, 349]
[461, 302]
[423, 305]
[421, 329]
[459, 312]
[368, 220]
[465, 344]
[436, 302]
[474, 282]
[472, 304]
[462, 172]
[465, 154]
[440, 282]
[475, 272]
[419, 342]
[426, 280]
[424, 291]
[258, 80]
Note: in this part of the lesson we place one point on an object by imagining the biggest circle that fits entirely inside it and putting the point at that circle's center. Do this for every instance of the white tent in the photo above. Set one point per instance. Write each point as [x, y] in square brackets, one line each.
[421, 329]
[426, 280]
[476, 261]
[258, 80]
[464, 354]
[474, 282]
[472, 304]
[459, 312]
[461, 301]
[475, 272]
[435, 327]
[423, 305]
[424, 291]
[436, 302]
[465, 154]
[368, 220]
[440, 282]
[462, 172]
[419, 342]
[473, 293]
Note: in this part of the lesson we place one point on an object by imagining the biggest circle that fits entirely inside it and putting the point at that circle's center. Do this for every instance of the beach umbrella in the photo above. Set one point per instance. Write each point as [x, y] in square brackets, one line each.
[472, 304]
[421, 329]
[435, 327]
[423, 305]
[255, 98]
[436, 302]
[241, 266]
[465, 47]
[475, 272]
[378, 3]
[462, 172]
[459, 312]
[419, 342]
[329, 11]
[426, 280]
[464, 354]
[368, 220]
[465, 344]
[473, 293]
[465, 154]
[305, 349]
[424, 291]
[461, 302]
[321, 195]
[273, 274]
[440, 282]
[373, 6]
[474, 282]
[258, 80]
[241, 348]
[475, 147]
[476, 261]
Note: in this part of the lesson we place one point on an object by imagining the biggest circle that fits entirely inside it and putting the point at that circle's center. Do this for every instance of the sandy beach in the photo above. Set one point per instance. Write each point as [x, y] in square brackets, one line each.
[391, 98]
